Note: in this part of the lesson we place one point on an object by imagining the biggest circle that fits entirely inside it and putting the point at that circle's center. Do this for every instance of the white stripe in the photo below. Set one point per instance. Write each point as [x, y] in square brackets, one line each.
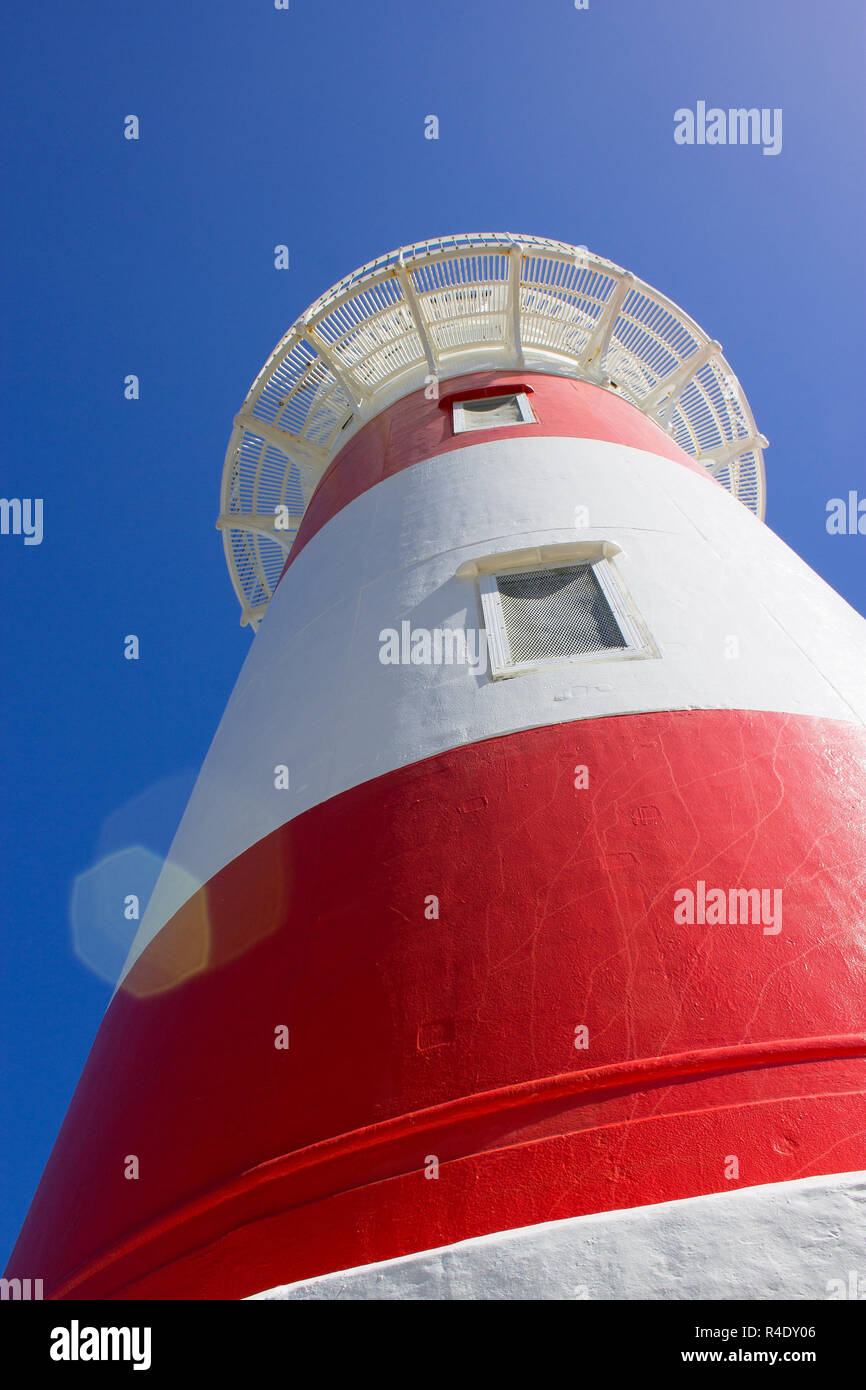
[799, 1240]
[313, 694]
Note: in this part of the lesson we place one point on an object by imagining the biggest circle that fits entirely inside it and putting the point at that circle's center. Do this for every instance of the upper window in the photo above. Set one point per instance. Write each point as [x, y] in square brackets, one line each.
[544, 617]
[489, 412]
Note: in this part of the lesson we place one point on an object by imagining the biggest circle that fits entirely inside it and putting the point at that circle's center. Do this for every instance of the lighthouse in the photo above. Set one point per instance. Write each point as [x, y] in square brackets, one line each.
[512, 942]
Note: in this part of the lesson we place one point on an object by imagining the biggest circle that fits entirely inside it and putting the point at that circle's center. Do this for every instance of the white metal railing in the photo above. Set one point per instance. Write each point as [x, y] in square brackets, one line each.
[485, 300]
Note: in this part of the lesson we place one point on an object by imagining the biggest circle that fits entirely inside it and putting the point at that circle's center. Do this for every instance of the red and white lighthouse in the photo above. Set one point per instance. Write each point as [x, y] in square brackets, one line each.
[512, 942]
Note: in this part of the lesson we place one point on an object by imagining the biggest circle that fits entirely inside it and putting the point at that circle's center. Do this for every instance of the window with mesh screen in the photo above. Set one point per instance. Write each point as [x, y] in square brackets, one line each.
[489, 412]
[548, 616]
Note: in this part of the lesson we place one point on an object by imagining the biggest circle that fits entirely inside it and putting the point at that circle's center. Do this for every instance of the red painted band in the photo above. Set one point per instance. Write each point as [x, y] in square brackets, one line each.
[480, 393]
[426, 1123]
[555, 909]
[415, 428]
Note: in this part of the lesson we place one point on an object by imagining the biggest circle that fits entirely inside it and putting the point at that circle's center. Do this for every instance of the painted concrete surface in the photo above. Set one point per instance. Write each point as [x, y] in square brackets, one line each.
[446, 1026]
[313, 694]
[792, 1240]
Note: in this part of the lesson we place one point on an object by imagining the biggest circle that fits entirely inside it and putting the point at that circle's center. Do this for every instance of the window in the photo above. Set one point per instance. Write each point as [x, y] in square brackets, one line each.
[556, 615]
[490, 412]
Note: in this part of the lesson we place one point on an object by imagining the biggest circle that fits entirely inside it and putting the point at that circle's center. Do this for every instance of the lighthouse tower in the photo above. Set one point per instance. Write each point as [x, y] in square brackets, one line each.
[512, 942]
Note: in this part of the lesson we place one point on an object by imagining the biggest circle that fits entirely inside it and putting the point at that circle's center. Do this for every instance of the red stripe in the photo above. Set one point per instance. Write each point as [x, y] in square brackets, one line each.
[454, 1037]
[291, 1236]
[236, 1200]
[415, 428]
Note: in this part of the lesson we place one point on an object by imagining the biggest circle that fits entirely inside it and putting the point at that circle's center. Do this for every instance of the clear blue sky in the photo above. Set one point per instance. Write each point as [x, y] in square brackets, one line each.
[305, 127]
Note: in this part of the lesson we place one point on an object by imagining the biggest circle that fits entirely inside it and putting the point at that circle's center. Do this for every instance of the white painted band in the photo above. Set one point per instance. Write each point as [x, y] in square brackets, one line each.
[739, 620]
[797, 1240]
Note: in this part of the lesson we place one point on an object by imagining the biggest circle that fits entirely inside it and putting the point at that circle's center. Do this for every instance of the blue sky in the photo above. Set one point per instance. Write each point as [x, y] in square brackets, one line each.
[155, 257]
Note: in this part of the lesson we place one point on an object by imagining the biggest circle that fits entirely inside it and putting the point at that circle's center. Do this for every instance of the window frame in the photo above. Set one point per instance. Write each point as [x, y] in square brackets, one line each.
[637, 640]
[458, 416]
